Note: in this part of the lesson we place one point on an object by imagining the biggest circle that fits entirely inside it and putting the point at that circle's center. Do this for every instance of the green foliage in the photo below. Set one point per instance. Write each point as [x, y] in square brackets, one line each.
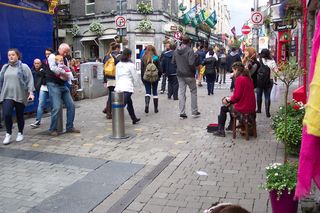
[294, 134]
[145, 8]
[288, 72]
[96, 28]
[281, 177]
[75, 30]
[295, 110]
[145, 25]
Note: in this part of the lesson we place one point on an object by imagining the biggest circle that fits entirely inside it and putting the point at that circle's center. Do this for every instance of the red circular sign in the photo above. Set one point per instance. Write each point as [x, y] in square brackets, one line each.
[245, 30]
[177, 35]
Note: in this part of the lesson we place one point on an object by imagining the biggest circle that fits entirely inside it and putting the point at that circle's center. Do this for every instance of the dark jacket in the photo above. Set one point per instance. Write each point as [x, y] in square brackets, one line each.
[200, 56]
[211, 64]
[184, 58]
[116, 57]
[166, 64]
[39, 77]
[222, 60]
[253, 66]
[232, 57]
[156, 61]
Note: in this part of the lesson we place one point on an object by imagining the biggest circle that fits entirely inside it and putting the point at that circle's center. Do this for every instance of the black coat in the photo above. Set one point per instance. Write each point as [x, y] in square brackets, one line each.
[39, 77]
[212, 65]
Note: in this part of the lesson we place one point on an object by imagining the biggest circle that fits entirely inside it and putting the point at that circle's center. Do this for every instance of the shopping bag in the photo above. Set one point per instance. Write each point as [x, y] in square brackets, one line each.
[275, 93]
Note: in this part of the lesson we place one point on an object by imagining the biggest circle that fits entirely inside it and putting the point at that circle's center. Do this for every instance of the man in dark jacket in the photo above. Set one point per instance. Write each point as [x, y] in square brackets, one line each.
[201, 55]
[164, 76]
[233, 57]
[184, 58]
[170, 70]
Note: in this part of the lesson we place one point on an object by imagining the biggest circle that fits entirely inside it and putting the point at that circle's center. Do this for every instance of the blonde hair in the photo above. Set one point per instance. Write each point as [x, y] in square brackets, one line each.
[58, 58]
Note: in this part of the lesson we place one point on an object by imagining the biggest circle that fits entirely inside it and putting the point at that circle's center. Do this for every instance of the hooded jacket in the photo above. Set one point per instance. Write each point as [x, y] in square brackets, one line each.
[166, 63]
[184, 58]
[156, 61]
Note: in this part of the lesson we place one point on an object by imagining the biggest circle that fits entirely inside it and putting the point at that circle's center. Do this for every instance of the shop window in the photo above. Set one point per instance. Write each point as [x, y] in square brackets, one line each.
[90, 7]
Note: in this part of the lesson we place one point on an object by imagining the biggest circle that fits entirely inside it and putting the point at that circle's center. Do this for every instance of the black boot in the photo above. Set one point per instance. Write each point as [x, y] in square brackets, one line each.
[147, 101]
[155, 103]
[267, 105]
[109, 110]
[259, 106]
[220, 132]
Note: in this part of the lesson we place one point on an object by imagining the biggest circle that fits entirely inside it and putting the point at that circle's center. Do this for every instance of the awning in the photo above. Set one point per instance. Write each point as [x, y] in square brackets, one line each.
[89, 38]
[107, 37]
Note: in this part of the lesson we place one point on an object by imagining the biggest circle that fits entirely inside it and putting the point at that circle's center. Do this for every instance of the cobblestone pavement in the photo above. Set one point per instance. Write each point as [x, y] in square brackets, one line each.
[235, 168]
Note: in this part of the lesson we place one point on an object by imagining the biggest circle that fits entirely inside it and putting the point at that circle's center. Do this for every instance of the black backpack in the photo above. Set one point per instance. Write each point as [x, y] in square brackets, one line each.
[263, 76]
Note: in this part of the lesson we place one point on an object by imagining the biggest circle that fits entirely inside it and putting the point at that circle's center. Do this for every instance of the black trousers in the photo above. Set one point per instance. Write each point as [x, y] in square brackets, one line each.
[163, 83]
[222, 118]
[7, 109]
[173, 86]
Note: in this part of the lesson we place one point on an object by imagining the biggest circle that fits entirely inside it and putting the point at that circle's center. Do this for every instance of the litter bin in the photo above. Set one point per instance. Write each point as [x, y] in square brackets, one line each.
[92, 80]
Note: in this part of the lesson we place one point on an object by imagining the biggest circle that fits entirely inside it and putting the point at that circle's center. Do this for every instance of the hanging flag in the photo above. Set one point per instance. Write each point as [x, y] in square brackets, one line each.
[211, 21]
[188, 16]
[200, 17]
[233, 30]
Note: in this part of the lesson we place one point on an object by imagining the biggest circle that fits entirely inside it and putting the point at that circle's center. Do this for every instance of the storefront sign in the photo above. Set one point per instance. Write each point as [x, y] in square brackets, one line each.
[284, 26]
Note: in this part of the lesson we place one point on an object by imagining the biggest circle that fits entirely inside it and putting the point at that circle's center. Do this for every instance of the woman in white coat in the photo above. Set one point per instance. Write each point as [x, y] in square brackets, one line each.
[126, 78]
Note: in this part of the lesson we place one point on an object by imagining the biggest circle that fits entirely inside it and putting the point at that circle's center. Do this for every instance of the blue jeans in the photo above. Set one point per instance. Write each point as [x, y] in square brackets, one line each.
[266, 91]
[43, 95]
[151, 86]
[57, 94]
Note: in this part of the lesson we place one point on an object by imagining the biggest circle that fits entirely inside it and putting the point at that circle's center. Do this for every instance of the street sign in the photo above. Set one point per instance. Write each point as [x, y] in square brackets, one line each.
[120, 22]
[257, 18]
[177, 35]
[245, 30]
[283, 26]
[173, 28]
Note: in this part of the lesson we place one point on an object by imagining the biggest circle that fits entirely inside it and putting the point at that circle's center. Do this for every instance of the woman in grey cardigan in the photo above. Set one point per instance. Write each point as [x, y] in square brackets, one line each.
[16, 86]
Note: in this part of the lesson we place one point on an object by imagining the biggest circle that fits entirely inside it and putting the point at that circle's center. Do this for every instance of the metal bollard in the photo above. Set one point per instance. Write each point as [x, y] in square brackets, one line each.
[118, 128]
[60, 120]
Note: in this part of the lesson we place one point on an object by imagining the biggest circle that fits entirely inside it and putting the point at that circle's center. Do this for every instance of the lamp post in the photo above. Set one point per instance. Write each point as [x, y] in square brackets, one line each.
[256, 29]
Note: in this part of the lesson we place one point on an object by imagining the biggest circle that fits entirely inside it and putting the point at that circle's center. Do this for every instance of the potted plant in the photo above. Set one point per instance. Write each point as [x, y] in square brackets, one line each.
[144, 8]
[96, 28]
[288, 72]
[145, 25]
[75, 30]
[295, 114]
[281, 182]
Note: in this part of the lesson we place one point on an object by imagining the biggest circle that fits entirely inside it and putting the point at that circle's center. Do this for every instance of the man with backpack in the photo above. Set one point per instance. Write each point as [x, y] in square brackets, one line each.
[110, 61]
[185, 59]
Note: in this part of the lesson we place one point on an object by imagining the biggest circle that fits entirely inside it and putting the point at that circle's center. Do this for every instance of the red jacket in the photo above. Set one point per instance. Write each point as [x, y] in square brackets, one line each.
[243, 97]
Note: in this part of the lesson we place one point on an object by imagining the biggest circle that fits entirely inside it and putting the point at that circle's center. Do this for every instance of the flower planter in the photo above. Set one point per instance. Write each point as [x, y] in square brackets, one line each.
[286, 203]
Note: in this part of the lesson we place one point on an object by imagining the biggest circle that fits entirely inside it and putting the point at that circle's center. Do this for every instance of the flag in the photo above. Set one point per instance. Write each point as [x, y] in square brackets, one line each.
[211, 21]
[233, 30]
[188, 16]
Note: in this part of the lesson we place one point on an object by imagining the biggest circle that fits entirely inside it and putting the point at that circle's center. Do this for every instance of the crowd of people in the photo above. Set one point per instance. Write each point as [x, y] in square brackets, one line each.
[185, 67]
[178, 64]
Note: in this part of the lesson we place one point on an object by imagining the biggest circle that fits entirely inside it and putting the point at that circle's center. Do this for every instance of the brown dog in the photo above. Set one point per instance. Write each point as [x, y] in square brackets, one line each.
[225, 208]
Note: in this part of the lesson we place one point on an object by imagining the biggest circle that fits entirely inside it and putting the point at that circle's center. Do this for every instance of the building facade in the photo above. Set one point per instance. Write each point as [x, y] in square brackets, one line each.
[91, 41]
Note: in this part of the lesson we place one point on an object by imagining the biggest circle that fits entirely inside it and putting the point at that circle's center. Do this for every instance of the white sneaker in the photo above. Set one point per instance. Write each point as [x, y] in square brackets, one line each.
[6, 140]
[19, 137]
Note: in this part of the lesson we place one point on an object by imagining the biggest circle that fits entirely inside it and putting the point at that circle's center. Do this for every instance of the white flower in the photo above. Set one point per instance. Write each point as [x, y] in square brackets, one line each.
[276, 174]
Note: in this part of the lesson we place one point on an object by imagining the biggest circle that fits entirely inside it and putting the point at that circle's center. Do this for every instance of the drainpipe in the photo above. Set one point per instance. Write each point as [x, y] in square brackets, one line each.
[304, 40]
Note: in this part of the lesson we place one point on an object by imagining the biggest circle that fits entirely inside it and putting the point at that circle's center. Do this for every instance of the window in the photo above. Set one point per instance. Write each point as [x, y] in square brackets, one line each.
[275, 1]
[90, 7]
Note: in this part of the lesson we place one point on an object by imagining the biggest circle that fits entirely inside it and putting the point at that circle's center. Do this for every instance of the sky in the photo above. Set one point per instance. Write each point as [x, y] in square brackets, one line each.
[240, 11]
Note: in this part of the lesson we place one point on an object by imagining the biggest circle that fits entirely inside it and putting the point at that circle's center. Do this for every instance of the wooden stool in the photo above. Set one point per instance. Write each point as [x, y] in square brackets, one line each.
[247, 121]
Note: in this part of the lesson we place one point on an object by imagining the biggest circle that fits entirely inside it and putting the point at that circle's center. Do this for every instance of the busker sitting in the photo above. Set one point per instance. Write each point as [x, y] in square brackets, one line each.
[243, 99]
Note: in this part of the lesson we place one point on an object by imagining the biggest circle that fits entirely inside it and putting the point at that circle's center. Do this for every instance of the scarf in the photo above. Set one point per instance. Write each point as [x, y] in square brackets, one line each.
[22, 75]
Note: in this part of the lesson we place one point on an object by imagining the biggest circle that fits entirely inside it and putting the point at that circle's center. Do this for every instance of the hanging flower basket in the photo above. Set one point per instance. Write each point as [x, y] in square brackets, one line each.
[145, 25]
[96, 28]
[145, 8]
[75, 30]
